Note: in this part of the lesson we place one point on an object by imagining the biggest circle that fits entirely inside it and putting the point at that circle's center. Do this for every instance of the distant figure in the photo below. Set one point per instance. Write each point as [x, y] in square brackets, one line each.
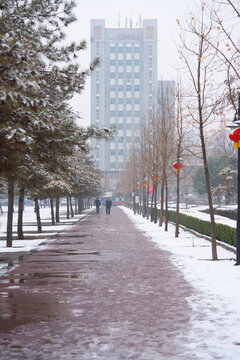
[97, 203]
[108, 206]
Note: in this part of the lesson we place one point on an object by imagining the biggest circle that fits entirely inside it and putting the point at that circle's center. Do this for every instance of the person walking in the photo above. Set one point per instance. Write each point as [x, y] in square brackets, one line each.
[97, 203]
[108, 206]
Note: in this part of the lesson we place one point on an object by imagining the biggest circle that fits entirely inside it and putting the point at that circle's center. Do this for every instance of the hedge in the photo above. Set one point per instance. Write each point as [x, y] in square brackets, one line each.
[224, 233]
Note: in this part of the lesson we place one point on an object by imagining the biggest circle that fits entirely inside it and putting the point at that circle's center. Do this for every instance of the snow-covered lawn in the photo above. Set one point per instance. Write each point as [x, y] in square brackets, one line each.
[217, 285]
[197, 212]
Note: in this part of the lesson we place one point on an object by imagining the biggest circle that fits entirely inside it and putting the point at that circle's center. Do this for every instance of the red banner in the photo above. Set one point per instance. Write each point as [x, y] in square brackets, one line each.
[150, 188]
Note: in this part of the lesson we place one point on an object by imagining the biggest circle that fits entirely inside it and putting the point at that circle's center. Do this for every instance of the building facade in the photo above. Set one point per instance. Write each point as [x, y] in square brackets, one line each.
[122, 89]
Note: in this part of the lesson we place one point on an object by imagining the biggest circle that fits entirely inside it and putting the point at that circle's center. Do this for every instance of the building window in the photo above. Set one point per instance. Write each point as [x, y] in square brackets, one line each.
[129, 88]
[97, 75]
[120, 75]
[129, 50]
[120, 165]
[137, 101]
[120, 88]
[129, 139]
[137, 49]
[149, 49]
[120, 101]
[137, 113]
[112, 152]
[129, 101]
[120, 113]
[137, 75]
[97, 88]
[112, 165]
[120, 152]
[97, 101]
[112, 101]
[150, 62]
[137, 88]
[112, 75]
[112, 88]
[129, 113]
[120, 126]
[112, 62]
[129, 62]
[120, 139]
[120, 62]
[112, 50]
[150, 75]
[129, 126]
[112, 113]
[137, 62]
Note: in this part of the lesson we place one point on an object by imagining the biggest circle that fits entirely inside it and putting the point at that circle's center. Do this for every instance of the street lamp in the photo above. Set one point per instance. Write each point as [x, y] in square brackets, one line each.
[235, 136]
[145, 196]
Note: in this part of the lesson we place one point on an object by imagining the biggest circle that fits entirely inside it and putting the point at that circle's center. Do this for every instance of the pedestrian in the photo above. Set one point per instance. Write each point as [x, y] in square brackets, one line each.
[108, 206]
[97, 203]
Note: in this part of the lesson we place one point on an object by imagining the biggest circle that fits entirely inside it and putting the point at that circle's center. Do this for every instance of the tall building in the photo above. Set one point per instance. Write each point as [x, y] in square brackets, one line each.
[122, 88]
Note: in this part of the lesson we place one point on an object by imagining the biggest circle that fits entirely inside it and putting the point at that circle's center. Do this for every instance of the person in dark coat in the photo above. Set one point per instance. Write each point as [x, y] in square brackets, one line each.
[108, 206]
[97, 203]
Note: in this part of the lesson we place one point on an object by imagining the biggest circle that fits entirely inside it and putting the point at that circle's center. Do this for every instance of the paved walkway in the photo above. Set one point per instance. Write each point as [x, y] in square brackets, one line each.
[100, 291]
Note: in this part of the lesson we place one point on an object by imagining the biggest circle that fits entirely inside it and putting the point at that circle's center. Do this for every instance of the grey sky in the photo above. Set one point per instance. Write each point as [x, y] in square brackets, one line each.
[165, 11]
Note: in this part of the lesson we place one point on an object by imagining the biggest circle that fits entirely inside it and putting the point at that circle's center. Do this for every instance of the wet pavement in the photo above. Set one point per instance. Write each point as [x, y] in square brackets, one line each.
[101, 290]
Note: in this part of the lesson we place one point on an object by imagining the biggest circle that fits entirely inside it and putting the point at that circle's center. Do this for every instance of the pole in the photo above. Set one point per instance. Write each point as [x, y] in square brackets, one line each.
[238, 212]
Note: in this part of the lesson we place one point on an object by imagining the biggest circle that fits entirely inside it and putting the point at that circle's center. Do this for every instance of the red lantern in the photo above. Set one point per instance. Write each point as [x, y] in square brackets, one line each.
[175, 165]
[145, 183]
[235, 136]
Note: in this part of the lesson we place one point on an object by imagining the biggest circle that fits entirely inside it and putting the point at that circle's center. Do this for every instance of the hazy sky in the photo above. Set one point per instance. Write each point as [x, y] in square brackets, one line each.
[165, 11]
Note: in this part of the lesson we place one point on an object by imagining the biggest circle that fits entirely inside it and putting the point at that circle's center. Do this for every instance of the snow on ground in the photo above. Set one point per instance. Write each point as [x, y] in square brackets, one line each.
[33, 240]
[217, 285]
[197, 212]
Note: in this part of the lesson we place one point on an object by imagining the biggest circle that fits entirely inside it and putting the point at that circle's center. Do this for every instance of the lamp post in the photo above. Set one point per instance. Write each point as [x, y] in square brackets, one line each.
[235, 136]
[145, 197]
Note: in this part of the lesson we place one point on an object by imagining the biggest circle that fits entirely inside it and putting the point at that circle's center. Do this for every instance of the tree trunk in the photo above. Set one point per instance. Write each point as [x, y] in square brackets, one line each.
[1, 209]
[79, 205]
[20, 211]
[155, 204]
[52, 211]
[177, 206]
[68, 210]
[71, 208]
[153, 194]
[10, 212]
[209, 194]
[166, 206]
[57, 210]
[162, 200]
[37, 211]
[75, 203]
[148, 199]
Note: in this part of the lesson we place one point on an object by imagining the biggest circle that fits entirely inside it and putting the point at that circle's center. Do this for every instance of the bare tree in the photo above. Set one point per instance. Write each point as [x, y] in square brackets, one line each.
[201, 64]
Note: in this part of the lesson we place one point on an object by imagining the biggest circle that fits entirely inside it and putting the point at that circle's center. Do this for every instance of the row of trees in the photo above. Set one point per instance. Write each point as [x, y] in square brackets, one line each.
[42, 149]
[209, 56]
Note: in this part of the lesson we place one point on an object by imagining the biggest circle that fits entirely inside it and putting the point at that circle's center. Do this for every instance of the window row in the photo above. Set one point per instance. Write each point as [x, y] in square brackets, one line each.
[124, 50]
[128, 113]
[126, 62]
[127, 88]
[128, 101]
